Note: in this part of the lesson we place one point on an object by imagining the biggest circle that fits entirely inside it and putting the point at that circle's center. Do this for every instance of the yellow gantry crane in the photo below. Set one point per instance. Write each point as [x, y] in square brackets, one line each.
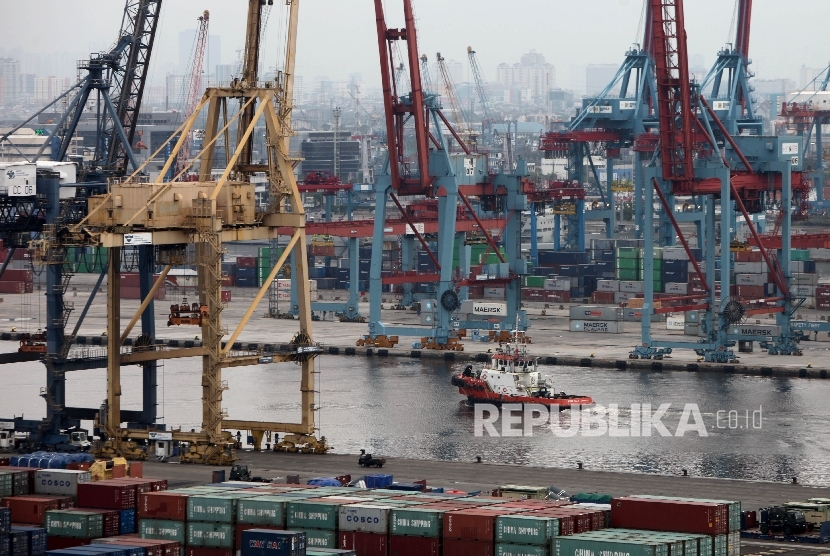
[209, 213]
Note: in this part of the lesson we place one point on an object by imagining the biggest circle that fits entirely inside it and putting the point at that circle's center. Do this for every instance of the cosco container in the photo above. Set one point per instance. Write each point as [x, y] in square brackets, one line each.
[61, 482]
[369, 518]
[163, 505]
[211, 509]
[597, 326]
[523, 529]
[83, 525]
[416, 522]
[215, 535]
[314, 515]
[263, 542]
[163, 529]
[262, 510]
[106, 495]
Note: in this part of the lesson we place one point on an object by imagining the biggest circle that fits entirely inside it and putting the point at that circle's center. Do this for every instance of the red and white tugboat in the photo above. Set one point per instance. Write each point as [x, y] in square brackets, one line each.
[512, 376]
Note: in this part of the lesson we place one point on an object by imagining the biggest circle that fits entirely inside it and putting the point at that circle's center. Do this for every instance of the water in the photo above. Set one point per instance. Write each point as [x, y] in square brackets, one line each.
[407, 408]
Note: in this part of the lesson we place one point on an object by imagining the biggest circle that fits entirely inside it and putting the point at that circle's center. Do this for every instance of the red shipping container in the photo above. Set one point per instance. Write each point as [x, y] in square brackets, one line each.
[152, 547]
[109, 495]
[458, 547]
[670, 515]
[58, 543]
[603, 297]
[30, 509]
[228, 282]
[130, 292]
[822, 291]
[365, 544]
[16, 287]
[163, 505]
[226, 296]
[21, 255]
[240, 527]
[205, 551]
[559, 297]
[111, 519]
[471, 525]
[414, 546]
[751, 292]
[17, 275]
[246, 262]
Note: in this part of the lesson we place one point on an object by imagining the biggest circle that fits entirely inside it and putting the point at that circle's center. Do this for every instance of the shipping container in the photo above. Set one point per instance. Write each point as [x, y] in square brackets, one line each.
[416, 522]
[207, 551]
[106, 495]
[523, 529]
[369, 518]
[59, 543]
[586, 545]
[241, 527]
[162, 529]
[262, 510]
[152, 547]
[596, 326]
[30, 509]
[163, 505]
[460, 547]
[321, 538]
[315, 515]
[214, 535]
[127, 520]
[631, 286]
[507, 549]
[211, 508]
[60, 482]
[365, 544]
[32, 537]
[670, 515]
[414, 546]
[74, 523]
[469, 525]
[591, 312]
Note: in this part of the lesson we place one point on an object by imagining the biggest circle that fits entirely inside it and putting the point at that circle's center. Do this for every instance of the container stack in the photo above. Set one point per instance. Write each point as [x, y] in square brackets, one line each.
[18, 276]
[596, 319]
[246, 272]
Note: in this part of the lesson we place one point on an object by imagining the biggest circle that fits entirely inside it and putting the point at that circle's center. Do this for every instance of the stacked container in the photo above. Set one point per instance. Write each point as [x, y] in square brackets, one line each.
[596, 319]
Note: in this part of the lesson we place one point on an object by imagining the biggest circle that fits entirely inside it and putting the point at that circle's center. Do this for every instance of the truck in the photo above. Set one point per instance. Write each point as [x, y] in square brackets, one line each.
[780, 519]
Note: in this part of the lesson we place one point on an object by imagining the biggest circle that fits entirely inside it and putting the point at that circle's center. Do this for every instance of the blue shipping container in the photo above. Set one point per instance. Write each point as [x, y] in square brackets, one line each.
[5, 521]
[266, 542]
[378, 481]
[126, 522]
[34, 538]
[130, 550]
[5, 545]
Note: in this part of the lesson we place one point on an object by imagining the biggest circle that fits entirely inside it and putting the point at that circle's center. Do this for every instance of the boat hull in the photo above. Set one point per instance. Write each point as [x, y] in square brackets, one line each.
[476, 391]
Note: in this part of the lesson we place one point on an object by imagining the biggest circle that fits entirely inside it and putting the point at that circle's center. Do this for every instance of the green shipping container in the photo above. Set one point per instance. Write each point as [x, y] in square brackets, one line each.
[213, 535]
[628, 252]
[628, 264]
[657, 264]
[313, 515]
[506, 549]
[6, 485]
[577, 544]
[658, 287]
[534, 281]
[627, 275]
[262, 510]
[526, 529]
[320, 538]
[800, 255]
[414, 522]
[80, 525]
[162, 529]
[210, 508]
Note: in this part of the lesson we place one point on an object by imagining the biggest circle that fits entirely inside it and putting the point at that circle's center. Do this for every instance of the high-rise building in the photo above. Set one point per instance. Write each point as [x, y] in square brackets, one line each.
[598, 76]
[10, 73]
[47, 89]
[225, 73]
[187, 42]
[533, 75]
[175, 93]
[807, 78]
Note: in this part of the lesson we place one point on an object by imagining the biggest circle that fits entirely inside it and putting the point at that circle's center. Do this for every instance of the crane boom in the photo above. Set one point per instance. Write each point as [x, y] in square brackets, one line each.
[449, 91]
[194, 87]
[481, 85]
[425, 75]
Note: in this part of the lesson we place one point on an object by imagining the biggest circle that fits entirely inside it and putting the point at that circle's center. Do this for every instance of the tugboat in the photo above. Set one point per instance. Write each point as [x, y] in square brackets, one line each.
[512, 376]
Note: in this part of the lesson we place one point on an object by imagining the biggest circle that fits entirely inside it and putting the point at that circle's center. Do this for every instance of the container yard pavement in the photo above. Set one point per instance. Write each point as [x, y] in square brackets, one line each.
[471, 476]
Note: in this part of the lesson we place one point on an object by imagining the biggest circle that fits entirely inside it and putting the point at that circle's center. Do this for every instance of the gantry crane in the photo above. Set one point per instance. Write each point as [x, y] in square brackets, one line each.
[691, 163]
[207, 214]
[194, 85]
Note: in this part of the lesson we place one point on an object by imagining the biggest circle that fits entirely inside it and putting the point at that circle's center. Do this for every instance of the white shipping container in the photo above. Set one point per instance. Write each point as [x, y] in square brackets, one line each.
[805, 279]
[675, 254]
[750, 279]
[60, 482]
[691, 328]
[369, 518]
[676, 287]
[631, 287]
[622, 297]
[597, 326]
[493, 293]
[675, 322]
[608, 285]
[803, 290]
[749, 268]
[595, 312]
[558, 284]
[18, 179]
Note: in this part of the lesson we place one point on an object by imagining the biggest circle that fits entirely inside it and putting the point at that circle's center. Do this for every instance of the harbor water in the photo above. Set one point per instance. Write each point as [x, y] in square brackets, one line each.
[759, 428]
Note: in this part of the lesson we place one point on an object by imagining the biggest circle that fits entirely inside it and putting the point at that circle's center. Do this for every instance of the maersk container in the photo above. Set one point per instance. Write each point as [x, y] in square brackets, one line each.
[576, 544]
[82, 525]
[595, 312]
[596, 326]
[507, 549]
[211, 508]
[416, 522]
[320, 538]
[369, 518]
[213, 535]
[162, 529]
[262, 510]
[525, 529]
[264, 542]
[60, 482]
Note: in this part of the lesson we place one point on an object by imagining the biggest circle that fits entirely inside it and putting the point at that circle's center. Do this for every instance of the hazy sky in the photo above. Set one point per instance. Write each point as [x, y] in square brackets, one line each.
[337, 37]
